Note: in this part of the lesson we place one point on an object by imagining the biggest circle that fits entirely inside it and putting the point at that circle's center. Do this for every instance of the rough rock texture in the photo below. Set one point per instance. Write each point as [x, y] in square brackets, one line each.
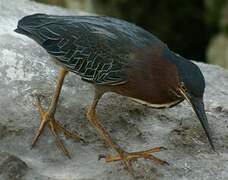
[25, 69]
[11, 167]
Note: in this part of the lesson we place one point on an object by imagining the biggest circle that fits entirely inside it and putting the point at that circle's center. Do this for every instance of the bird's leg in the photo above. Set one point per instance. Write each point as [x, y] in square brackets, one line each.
[47, 117]
[122, 155]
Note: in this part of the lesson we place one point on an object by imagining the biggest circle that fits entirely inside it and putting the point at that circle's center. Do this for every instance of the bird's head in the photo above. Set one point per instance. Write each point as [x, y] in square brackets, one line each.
[191, 88]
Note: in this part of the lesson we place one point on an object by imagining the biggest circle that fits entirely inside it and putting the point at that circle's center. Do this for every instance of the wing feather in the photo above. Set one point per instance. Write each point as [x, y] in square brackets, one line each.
[96, 48]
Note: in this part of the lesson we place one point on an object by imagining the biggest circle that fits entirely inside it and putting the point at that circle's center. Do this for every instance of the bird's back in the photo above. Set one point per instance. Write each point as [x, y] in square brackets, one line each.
[116, 29]
[95, 47]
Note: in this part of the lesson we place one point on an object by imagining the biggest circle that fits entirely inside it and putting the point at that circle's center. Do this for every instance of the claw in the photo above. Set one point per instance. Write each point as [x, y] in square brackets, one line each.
[163, 148]
[151, 157]
[101, 156]
[83, 141]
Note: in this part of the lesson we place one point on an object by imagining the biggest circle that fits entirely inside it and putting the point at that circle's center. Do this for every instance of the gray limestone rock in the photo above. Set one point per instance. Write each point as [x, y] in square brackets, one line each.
[11, 167]
[26, 69]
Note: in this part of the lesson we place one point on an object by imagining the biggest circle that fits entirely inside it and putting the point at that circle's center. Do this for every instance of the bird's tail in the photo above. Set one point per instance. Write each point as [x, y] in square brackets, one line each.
[30, 25]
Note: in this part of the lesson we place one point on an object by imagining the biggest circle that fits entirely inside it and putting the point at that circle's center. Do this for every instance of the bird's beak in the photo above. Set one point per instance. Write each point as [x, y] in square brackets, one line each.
[198, 107]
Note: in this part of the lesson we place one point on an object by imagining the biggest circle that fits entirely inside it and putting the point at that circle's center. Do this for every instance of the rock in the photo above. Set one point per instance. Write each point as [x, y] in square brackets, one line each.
[11, 167]
[25, 69]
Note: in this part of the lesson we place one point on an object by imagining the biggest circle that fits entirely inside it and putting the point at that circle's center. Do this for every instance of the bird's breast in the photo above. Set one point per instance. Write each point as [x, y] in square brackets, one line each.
[152, 95]
[152, 80]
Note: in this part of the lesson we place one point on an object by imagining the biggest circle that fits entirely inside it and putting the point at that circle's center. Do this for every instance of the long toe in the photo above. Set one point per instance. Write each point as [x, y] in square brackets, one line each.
[59, 142]
[66, 132]
[55, 129]
[129, 157]
[38, 132]
[54, 126]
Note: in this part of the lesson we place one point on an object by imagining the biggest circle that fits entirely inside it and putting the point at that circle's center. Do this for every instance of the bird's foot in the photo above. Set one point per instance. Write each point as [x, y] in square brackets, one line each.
[127, 158]
[54, 127]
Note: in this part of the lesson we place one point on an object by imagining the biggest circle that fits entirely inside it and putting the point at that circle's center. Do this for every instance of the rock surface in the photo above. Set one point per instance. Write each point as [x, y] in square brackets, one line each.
[11, 167]
[25, 69]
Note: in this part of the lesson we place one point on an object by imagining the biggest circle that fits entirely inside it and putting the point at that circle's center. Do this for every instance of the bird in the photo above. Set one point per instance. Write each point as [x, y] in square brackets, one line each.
[119, 57]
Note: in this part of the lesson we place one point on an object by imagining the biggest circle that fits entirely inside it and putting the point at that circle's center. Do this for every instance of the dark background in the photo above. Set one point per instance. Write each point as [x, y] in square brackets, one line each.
[187, 26]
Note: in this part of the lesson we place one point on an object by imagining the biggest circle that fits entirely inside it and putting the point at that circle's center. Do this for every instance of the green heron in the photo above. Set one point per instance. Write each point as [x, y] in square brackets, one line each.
[115, 56]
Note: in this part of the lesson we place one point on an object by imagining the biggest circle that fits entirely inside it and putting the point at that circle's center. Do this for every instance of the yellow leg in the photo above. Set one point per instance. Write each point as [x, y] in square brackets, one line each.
[122, 155]
[47, 117]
